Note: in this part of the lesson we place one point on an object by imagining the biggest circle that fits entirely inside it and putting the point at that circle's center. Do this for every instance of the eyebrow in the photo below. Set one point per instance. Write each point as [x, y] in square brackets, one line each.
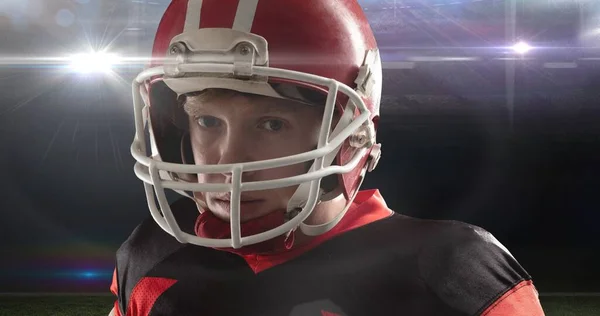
[191, 108]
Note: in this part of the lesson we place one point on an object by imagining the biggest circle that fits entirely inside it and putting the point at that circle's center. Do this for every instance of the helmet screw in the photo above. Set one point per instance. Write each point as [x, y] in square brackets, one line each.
[244, 50]
[177, 49]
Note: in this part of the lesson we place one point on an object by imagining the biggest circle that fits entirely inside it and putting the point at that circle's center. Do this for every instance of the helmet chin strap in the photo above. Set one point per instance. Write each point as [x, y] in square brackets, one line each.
[315, 230]
[300, 197]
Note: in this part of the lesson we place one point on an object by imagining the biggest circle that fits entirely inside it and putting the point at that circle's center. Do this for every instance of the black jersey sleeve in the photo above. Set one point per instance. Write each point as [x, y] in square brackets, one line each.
[468, 268]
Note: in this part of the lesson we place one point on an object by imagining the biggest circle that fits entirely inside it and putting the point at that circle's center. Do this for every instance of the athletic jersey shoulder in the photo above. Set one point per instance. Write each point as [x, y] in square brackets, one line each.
[398, 265]
[465, 266]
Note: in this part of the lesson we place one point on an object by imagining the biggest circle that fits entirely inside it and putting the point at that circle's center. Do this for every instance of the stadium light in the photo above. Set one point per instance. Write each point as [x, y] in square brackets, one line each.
[521, 48]
[91, 63]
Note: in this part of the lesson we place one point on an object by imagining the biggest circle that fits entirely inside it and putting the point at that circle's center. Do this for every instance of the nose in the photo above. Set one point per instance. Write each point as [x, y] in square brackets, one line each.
[236, 147]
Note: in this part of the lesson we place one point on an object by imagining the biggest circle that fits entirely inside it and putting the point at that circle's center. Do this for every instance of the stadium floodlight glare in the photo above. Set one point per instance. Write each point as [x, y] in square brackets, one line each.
[521, 48]
[95, 62]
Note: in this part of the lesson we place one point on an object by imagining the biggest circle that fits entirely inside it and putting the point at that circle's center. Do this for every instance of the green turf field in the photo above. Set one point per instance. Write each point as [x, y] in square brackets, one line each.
[571, 306]
[80, 305]
[55, 305]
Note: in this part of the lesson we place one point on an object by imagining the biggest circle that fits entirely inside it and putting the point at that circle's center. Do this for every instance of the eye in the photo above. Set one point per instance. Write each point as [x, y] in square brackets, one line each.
[207, 121]
[273, 125]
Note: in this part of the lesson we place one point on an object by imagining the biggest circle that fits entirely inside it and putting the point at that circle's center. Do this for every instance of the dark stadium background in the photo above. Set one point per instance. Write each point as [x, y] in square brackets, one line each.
[509, 144]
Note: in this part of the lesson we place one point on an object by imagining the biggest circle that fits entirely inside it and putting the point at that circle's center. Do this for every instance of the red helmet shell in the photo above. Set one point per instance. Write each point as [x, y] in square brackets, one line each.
[320, 37]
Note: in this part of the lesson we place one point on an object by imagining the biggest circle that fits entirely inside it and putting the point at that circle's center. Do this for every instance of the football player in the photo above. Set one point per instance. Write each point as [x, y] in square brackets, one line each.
[263, 114]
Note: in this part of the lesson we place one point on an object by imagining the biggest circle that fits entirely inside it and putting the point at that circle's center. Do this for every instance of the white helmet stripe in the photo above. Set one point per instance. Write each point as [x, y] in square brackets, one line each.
[244, 17]
[192, 17]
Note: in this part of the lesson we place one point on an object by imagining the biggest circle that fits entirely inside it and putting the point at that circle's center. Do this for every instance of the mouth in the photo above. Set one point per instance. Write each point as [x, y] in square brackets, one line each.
[227, 203]
[243, 200]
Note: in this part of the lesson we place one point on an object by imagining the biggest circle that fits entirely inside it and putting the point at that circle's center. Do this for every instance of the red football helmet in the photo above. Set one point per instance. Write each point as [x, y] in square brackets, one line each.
[276, 48]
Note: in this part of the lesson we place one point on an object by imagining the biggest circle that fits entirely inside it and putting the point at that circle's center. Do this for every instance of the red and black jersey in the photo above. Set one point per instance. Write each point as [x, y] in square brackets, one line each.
[374, 262]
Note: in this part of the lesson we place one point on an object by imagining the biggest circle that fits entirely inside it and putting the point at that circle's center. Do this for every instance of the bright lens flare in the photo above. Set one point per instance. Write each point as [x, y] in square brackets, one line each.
[521, 48]
[90, 63]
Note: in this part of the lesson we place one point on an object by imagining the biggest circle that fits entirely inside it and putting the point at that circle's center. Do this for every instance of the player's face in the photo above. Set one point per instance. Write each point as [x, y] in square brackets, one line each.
[239, 128]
